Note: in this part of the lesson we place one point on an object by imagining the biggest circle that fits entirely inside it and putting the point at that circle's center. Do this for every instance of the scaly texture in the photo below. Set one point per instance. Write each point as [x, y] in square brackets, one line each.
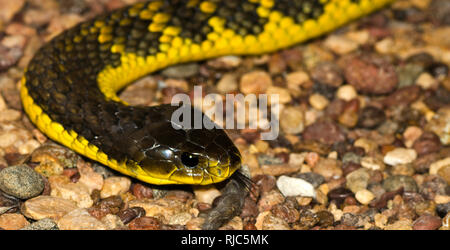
[69, 88]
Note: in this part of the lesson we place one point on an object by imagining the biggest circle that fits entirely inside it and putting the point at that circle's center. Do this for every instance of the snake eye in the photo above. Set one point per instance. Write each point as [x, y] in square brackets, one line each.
[189, 160]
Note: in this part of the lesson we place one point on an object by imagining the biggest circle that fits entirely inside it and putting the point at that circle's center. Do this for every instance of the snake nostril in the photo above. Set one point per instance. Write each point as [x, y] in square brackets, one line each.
[189, 160]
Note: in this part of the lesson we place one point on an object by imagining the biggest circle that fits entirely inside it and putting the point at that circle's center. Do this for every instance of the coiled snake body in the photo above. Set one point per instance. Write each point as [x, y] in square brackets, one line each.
[69, 88]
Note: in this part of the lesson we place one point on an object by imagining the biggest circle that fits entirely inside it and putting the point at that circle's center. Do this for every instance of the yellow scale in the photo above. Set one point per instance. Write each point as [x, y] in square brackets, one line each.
[279, 32]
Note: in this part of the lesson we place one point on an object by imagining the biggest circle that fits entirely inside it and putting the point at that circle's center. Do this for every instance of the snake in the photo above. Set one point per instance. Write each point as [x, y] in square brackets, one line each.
[69, 88]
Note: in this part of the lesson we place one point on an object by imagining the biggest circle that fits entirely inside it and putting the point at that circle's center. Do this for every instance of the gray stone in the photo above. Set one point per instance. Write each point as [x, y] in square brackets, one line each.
[21, 181]
[44, 224]
[313, 178]
[394, 182]
[358, 179]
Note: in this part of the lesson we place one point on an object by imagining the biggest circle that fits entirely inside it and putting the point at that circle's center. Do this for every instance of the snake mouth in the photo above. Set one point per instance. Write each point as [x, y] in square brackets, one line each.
[213, 172]
[202, 176]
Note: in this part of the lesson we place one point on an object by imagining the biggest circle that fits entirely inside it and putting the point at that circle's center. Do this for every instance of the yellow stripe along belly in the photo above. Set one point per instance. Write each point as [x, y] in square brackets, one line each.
[69, 88]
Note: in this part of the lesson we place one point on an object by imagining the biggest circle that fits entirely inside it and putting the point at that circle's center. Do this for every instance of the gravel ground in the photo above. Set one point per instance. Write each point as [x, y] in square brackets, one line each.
[364, 142]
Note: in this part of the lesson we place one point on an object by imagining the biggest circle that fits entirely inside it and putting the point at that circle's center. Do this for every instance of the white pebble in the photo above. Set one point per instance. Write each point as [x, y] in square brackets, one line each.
[400, 156]
[289, 186]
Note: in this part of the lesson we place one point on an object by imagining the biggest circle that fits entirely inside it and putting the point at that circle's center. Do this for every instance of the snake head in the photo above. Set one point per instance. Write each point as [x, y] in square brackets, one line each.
[181, 155]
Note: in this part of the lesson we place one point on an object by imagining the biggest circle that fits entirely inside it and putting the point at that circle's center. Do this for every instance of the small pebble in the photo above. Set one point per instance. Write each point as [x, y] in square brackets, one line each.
[142, 191]
[297, 78]
[352, 219]
[61, 186]
[411, 134]
[249, 209]
[91, 179]
[339, 194]
[326, 219]
[395, 182]
[372, 163]
[162, 208]
[315, 179]
[349, 167]
[408, 73]
[225, 62]
[21, 181]
[256, 82]
[400, 156]
[265, 183]
[307, 220]
[274, 223]
[402, 96]
[380, 220]
[439, 125]
[349, 116]
[351, 157]
[426, 81]
[328, 168]
[293, 120]
[145, 223]
[228, 83]
[129, 214]
[385, 46]
[441, 199]
[283, 94]
[286, 211]
[444, 172]
[325, 132]
[358, 180]
[437, 165]
[277, 64]
[318, 101]
[112, 222]
[427, 143]
[195, 224]
[427, 222]
[367, 144]
[289, 186]
[80, 219]
[346, 92]
[364, 196]
[327, 73]
[371, 117]
[206, 194]
[370, 73]
[269, 199]
[13, 221]
[235, 223]
[279, 169]
[340, 44]
[115, 186]
[47, 207]
[403, 169]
